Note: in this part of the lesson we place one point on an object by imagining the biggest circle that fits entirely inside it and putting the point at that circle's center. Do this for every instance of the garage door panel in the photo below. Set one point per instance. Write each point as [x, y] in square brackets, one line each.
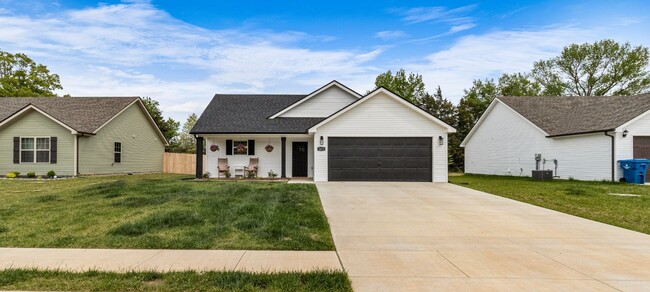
[379, 159]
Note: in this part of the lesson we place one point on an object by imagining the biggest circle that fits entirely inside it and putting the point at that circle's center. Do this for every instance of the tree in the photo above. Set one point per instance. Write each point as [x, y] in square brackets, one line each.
[439, 106]
[410, 87]
[20, 76]
[168, 127]
[185, 142]
[518, 84]
[601, 68]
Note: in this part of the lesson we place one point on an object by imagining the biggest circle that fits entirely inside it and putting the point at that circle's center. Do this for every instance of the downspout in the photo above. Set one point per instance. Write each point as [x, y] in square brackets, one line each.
[613, 153]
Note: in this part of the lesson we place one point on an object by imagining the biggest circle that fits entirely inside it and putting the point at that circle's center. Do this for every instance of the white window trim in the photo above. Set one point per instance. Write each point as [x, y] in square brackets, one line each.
[120, 152]
[35, 149]
[234, 147]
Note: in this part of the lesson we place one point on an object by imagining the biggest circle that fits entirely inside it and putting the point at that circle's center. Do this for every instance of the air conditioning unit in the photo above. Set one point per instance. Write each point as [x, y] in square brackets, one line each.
[542, 175]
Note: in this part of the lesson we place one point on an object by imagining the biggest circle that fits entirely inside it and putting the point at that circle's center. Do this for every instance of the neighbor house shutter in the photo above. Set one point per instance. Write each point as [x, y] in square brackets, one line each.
[251, 147]
[228, 147]
[53, 150]
[16, 150]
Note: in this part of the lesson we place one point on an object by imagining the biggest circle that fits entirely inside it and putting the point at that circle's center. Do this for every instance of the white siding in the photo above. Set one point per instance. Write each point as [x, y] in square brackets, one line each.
[624, 146]
[506, 144]
[382, 116]
[322, 105]
[267, 160]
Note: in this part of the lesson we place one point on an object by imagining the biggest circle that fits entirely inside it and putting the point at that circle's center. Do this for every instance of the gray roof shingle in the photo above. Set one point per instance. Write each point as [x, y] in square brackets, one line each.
[84, 114]
[249, 114]
[567, 115]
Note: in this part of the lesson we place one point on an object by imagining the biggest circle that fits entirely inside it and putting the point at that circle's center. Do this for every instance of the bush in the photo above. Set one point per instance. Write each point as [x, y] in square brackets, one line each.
[51, 174]
[17, 173]
[206, 174]
[272, 174]
[31, 174]
[227, 173]
[11, 175]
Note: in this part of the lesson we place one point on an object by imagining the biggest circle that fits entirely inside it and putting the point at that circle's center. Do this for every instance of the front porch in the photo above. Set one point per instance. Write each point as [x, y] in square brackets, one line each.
[287, 155]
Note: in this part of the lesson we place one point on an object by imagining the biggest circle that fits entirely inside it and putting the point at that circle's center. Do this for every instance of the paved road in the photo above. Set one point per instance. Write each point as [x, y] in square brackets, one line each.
[432, 237]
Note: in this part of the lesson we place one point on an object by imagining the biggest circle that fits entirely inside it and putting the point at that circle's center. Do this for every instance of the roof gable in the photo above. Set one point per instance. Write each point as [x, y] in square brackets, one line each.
[248, 114]
[82, 114]
[570, 115]
[315, 94]
[392, 95]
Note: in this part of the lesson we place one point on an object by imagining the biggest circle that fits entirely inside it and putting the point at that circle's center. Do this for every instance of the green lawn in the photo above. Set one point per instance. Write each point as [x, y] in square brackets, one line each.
[161, 211]
[592, 200]
[34, 280]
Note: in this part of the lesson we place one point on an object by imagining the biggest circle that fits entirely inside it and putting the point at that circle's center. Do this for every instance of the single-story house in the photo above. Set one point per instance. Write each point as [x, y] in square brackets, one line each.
[577, 137]
[331, 134]
[78, 136]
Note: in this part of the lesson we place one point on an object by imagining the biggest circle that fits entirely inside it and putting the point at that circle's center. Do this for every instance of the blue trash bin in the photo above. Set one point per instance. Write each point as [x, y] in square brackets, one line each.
[635, 170]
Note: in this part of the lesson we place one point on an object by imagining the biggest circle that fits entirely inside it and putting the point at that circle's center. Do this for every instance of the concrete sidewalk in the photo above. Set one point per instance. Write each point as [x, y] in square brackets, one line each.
[122, 260]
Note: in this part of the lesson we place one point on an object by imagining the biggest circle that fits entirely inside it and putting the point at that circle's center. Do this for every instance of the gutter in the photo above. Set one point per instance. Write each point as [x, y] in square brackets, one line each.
[613, 154]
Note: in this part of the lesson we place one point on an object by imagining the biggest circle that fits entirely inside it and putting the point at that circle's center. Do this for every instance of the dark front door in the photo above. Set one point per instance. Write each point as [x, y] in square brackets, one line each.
[299, 156]
[379, 159]
[641, 147]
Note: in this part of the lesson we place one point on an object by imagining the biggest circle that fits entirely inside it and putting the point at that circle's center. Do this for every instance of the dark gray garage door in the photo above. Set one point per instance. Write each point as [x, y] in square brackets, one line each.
[379, 159]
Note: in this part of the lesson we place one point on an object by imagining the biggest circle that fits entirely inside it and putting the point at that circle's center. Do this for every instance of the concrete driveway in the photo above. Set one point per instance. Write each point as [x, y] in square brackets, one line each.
[431, 237]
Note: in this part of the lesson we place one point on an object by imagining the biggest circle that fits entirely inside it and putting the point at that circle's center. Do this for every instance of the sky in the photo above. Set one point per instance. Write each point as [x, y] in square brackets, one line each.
[183, 52]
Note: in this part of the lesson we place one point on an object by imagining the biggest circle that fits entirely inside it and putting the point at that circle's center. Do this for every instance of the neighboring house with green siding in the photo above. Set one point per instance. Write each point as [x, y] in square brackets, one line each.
[78, 136]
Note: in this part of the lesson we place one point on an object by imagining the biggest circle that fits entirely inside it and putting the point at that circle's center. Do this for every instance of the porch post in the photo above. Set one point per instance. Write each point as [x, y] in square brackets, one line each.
[284, 156]
[199, 157]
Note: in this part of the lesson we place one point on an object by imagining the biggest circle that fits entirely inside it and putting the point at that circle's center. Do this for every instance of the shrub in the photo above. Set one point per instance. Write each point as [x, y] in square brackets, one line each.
[206, 174]
[17, 173]
[51, 174]
[227, 173]
[272, 174]
[31, 174]
[10, 175]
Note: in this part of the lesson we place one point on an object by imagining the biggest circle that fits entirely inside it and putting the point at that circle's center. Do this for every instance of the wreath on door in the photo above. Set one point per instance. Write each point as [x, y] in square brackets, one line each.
[214, 147]
[269, 148]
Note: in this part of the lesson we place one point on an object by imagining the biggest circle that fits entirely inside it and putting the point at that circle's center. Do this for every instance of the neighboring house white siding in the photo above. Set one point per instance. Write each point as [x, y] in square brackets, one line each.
[624, 145]
[382, 116]
[267, 160]
[505, 144]
[322, 105]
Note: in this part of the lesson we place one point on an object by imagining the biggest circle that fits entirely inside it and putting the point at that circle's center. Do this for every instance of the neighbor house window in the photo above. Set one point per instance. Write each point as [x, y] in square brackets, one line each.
[34, 150]
[118, 152]
[240, 147]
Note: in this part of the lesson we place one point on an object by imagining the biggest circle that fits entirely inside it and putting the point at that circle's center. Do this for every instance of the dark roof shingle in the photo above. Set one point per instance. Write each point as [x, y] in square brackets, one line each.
[84, 114]
[566, 115]
[249, 113]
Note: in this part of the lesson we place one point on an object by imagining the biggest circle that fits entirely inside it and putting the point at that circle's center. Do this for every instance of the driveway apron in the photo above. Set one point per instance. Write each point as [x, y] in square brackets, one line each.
[432, 237]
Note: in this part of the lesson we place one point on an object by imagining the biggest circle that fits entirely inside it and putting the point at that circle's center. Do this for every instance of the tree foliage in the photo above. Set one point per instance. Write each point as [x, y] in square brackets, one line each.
[410, 87]
[20, 76]
[168, 127]
[185, 142]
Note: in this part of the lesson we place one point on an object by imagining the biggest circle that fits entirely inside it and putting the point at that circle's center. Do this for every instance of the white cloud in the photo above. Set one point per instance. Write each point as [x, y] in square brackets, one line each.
[437, 13]
[390, 34]
[489, 55]
[133, 48]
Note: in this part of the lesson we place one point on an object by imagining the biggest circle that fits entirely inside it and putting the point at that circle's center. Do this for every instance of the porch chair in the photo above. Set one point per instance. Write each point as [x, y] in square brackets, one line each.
[252, 166]
[223, 166]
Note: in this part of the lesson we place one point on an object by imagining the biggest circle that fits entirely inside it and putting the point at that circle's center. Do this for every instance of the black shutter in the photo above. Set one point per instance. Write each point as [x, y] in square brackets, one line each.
[251, 147]
[228, 147]
[16, 150]
[53, 150]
